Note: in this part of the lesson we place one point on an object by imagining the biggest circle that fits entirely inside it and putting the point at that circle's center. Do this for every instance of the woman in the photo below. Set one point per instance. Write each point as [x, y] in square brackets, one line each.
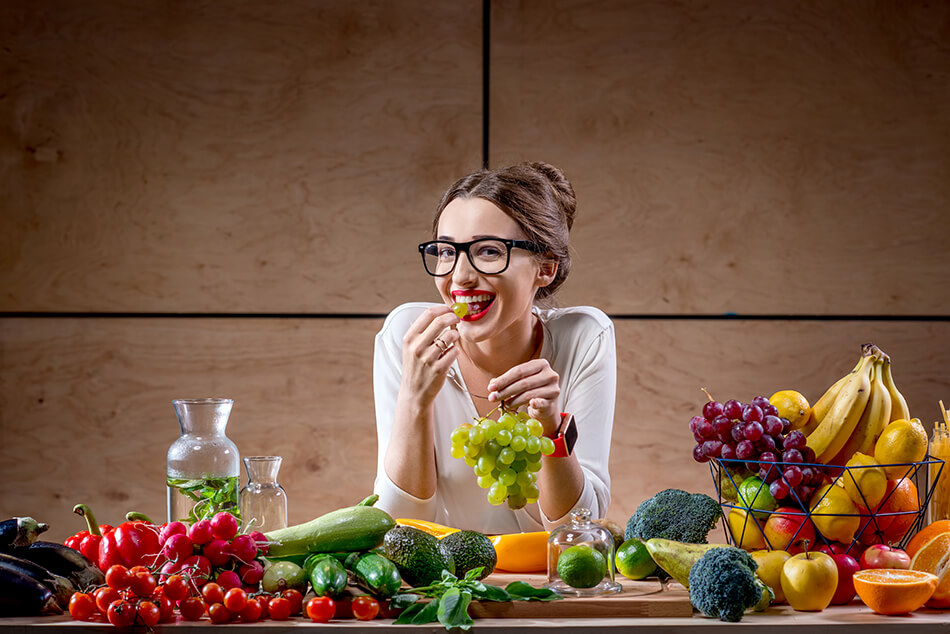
[500, 245]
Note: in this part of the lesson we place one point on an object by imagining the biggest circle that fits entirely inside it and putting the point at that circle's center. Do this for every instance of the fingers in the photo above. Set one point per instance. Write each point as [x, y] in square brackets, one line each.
[436, 322]
[533, 380]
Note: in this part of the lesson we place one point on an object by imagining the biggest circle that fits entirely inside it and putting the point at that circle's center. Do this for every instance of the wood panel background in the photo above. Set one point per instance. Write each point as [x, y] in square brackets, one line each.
[783, 160]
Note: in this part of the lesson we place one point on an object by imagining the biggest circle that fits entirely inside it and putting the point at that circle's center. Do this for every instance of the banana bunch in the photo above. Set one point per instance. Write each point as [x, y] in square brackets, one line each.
[852, 413]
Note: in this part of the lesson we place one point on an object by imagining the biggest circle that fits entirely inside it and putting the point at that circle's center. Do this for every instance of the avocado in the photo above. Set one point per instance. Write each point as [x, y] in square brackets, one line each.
[469, 550]
[417, 555]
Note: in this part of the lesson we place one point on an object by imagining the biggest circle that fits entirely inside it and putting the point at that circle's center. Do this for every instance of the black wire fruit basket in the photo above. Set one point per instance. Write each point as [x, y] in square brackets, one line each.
[877, 523]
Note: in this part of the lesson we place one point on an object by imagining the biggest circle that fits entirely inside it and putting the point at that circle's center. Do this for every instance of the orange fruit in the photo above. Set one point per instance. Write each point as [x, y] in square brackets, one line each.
[925, 534]
[895, 515]
[894, 591]
[934, 557]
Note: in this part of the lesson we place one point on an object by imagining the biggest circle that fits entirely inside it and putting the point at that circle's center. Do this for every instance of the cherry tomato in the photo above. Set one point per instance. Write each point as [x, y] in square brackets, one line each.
[121, 613]
[212, 593]
[176, 588]
[142, 583]
[134, 570]
[252, 611]
[264, 600]
[321, 609]
[192, 608]
[81, 606]
[296, 600]
[104, 597]
[220, 614]
[279, 609]
[147, 614]
[118, 577]
[166, 609]
[365, 608]
[235, 599]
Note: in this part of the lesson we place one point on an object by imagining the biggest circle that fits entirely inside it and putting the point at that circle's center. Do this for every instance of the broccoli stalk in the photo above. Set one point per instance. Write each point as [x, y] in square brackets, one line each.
[674, 514]
[723, 584]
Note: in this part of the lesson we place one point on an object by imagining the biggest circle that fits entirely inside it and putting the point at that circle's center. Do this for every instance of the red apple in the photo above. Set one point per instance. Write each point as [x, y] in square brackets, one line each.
[787, 529]
[847, 566]
[883, 556]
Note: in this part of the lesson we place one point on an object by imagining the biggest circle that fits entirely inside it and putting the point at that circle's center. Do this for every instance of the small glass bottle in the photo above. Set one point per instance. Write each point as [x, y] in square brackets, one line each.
[587, 574]
[939, 508]
[263, 501]
[203, 467]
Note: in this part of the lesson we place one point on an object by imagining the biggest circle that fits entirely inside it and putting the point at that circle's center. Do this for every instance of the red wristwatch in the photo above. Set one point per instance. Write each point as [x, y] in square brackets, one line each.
[566, 437]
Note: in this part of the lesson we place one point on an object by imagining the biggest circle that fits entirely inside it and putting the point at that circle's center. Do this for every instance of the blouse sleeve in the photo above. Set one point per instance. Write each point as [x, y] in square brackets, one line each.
[590, 395]
[387, 375]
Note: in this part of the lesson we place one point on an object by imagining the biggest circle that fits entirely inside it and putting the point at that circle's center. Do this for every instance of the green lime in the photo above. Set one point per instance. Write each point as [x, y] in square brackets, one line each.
[284, 575]
[755, 495]
[582, 566]
[633, 560]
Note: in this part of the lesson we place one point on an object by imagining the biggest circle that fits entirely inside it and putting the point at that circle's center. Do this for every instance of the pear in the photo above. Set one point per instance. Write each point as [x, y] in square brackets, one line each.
[676, 558]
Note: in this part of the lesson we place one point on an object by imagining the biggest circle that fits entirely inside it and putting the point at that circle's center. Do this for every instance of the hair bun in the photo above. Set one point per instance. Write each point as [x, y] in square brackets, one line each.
[563, 189]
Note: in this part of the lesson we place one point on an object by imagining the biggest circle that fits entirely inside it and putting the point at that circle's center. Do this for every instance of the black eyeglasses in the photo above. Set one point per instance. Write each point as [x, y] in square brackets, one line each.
[488, 256]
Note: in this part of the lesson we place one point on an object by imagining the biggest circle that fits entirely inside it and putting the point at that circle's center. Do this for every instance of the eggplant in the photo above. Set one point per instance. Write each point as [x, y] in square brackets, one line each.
[22, 595]
[61, 587]
[20, 532]
[65, 562]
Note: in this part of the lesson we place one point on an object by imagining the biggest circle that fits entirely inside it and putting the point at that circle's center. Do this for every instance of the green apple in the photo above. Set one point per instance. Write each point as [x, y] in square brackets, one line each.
[809, 581]
[769, 571]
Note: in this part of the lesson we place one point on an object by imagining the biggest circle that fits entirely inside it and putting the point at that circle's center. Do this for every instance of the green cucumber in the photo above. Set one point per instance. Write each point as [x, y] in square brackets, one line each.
[375, 573]
[327, 575]
[354, 528]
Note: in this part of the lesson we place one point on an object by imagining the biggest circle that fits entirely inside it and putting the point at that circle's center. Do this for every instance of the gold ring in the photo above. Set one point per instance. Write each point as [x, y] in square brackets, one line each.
[444, 347]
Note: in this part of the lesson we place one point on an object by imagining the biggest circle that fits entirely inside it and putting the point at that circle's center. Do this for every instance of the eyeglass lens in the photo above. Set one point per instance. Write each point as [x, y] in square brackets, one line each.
[487, 256]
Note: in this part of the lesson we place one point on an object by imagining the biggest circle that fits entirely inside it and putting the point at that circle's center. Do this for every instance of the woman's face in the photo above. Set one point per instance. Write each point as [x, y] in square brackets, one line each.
[496, 302]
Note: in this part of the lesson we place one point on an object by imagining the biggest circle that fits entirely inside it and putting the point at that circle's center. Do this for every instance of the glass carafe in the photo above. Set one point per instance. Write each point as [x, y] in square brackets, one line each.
[581, 573]
[263, 500]
[203, 466]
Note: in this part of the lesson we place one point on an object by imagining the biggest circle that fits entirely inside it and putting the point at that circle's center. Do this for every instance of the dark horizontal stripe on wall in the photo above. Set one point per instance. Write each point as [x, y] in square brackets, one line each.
[618, 317]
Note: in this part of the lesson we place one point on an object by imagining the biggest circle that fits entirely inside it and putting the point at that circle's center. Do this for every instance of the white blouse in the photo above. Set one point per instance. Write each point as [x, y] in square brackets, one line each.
[579, 344]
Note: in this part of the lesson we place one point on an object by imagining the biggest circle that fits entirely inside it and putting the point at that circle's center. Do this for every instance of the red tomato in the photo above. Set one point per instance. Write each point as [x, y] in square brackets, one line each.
[252, 611]
[365, 608]
[118, 577]
[295, 598]
[82, 606]
[134, 570]
[212, 593]
[321, 609]
[121, 613]
[192, 608]
[104, 597]
[166, 609]
[176, 588]
[142, 583]
[235, 599]
[147, 614]
[220, 614]
[279, 609]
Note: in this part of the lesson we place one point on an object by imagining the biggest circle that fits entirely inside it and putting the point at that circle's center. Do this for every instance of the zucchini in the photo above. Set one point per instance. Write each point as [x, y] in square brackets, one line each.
[375, 573]
[327, 575]
[353, 528]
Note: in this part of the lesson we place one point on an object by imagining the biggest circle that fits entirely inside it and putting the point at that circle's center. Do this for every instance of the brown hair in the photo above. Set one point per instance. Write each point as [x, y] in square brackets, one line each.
[538, 197]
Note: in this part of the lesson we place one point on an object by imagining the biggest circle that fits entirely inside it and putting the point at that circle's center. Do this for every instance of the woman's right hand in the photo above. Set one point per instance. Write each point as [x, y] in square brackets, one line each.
[426, 361]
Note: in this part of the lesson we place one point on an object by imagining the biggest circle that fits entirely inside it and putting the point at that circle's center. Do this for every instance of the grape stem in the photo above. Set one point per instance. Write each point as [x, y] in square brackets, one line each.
[708, 395]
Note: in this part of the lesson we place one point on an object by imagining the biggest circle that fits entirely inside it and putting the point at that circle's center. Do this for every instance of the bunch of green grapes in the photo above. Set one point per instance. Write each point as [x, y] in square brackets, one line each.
[506, 455]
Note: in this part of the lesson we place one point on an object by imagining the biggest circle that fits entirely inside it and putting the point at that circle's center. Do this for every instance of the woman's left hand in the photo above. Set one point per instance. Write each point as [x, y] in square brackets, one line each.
[533, 383]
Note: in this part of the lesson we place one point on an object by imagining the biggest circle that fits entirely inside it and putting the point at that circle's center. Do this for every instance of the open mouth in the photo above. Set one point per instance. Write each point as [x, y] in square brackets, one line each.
[478, 304]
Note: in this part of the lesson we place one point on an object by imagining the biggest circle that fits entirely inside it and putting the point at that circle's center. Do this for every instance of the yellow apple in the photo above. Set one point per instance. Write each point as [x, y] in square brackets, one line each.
[769, 571]
[809, 580]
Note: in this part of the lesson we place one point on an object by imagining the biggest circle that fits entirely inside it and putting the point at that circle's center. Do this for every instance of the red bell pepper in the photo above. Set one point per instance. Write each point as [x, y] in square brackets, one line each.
[133, 543]
[87, 541]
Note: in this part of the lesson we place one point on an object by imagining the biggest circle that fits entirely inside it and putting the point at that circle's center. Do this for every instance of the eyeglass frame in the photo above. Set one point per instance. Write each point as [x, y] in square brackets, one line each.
[460, 247]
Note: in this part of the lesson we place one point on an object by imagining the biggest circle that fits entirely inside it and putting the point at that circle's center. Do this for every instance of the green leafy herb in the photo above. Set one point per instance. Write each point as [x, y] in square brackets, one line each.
[450, 597]
[210, 496]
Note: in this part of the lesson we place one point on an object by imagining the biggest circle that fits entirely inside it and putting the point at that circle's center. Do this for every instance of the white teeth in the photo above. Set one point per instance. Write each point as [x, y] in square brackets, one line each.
[473, 299]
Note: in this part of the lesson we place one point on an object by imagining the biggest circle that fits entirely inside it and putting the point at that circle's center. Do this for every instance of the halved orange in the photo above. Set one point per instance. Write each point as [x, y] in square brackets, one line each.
[892, 590]
[934, 557]
[925, 534]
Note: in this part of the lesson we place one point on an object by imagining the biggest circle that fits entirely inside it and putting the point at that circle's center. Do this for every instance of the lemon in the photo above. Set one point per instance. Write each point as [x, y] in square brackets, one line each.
[834, 514]
[754, 494]
[902, 443]
[582, 566]
[633, 560]
[864, 480]
[746, 530]
[793, 406]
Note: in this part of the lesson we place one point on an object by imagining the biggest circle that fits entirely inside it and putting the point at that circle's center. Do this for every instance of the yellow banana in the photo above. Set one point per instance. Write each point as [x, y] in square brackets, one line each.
[876, 415]
[821, 407]
[899, 409]
[835, 428]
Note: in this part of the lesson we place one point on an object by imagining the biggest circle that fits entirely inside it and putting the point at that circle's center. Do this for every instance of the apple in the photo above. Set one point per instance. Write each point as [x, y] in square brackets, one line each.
[810, 580]
[769, 571]
[847, 566]
[788, 528]
[883, 556]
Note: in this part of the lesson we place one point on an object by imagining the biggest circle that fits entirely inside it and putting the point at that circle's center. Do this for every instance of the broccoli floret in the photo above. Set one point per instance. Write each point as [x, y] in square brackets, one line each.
[674, 514]
[723, 584]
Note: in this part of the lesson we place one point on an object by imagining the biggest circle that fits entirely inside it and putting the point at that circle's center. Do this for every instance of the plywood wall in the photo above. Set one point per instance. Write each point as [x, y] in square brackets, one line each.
[788, 162]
